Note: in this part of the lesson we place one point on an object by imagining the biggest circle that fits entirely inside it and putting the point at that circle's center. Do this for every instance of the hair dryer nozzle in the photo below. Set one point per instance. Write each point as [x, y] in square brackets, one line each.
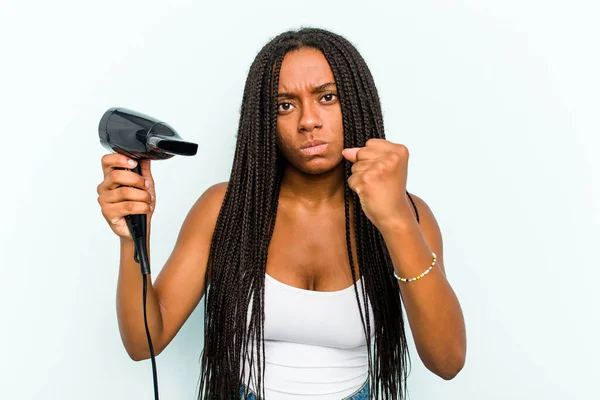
[140, 136]
[163, 138]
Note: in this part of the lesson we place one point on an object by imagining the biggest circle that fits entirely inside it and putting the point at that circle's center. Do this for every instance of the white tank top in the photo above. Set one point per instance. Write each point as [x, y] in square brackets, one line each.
[315, 345]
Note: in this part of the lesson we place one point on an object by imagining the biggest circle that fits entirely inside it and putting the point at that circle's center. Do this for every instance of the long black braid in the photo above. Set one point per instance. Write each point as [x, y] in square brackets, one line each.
[234, 305]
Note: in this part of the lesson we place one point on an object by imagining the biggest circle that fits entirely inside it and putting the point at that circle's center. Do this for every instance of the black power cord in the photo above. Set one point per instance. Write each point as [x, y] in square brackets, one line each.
[137, 226]
[150, 340]
[140, 244]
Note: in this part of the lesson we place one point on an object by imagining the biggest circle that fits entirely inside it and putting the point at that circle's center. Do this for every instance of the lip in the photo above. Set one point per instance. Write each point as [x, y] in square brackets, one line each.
[312, 143]
[313, 147]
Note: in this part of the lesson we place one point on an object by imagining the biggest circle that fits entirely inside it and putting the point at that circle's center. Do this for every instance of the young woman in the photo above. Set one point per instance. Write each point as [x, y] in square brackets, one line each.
[314, 219]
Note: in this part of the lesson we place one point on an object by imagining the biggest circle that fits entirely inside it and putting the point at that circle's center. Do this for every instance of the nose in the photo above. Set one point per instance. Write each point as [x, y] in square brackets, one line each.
[310, 118]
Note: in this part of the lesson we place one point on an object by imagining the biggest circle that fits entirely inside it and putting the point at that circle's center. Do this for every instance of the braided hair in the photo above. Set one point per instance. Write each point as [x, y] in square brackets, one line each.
[234, 305]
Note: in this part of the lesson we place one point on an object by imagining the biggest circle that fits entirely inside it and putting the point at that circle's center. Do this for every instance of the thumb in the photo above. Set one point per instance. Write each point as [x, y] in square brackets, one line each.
[350, 154]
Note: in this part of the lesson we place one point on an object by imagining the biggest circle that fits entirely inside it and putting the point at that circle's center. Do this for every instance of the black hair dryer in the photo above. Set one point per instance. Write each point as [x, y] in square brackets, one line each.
[139, 136]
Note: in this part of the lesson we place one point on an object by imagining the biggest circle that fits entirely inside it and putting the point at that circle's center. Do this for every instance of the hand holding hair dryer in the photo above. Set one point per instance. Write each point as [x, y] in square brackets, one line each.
[140, 136]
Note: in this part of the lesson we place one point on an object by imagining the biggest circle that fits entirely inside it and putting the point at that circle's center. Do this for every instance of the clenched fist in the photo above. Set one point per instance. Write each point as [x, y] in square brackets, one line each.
[379, 173]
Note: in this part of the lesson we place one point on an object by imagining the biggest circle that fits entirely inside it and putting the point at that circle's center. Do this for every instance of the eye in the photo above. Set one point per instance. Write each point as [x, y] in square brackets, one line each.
[329, 97]
[284, 107]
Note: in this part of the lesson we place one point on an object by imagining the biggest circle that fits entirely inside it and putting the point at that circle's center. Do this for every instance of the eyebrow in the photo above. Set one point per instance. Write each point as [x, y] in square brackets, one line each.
[318, 89]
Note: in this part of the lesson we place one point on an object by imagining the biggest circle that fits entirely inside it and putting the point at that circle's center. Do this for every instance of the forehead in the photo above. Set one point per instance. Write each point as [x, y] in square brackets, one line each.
[304, 68]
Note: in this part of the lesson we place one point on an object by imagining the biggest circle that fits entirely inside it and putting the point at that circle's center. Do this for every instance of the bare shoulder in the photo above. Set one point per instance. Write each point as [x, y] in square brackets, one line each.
[217, 190]
[429, 227]
[212, 198]
[202, 217]
[199, 225]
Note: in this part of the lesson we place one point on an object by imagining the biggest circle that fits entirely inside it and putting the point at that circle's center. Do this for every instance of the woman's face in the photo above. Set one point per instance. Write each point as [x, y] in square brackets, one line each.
[309, 116]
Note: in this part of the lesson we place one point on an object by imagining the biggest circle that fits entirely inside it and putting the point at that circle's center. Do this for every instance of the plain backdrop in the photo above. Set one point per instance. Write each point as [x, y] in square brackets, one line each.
[497, 102]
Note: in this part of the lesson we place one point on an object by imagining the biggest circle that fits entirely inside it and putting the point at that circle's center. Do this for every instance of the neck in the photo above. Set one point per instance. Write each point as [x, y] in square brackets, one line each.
[313, 190]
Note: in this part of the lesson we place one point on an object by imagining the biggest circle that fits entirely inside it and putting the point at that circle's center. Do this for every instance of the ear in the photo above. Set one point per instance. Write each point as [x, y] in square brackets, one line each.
[350, 154]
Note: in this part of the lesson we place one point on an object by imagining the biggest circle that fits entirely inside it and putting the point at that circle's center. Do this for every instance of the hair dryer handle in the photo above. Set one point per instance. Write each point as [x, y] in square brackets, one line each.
[138, 229]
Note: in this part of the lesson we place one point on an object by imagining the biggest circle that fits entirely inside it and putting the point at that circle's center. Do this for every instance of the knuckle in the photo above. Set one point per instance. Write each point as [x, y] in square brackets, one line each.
[119, 176]
[121, 192]
[391, 162]
[133, 194]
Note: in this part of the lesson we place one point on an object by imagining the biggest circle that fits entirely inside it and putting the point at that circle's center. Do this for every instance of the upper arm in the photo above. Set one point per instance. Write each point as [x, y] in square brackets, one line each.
[430, 229]
[180, 284]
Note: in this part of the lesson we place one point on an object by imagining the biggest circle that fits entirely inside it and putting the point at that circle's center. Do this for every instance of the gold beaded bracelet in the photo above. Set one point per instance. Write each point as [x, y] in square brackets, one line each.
[420, 276]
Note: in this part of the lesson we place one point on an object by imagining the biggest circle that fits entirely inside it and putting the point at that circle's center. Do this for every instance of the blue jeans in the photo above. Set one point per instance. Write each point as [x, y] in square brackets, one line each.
[361, 394]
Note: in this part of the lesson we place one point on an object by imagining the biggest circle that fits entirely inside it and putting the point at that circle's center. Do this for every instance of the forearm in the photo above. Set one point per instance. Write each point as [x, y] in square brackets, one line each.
[130, 311]
[432, 308]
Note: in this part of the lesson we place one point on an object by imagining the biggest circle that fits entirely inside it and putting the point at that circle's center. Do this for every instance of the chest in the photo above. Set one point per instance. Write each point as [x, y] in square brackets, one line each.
[308, 249]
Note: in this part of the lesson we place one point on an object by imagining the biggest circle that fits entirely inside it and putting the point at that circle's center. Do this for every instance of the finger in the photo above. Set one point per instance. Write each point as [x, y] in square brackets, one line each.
[115, 211]
[354, 183]
[382, 144]
[387, 146]
[146, 171]
[350, 154]
[363, 165]
[112, 161]
[126, 193]
[368, 153]
[359, 153]
[120, 177]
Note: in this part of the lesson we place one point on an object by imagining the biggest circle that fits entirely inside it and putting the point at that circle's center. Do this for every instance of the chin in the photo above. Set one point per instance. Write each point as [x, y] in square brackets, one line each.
[317, 166]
